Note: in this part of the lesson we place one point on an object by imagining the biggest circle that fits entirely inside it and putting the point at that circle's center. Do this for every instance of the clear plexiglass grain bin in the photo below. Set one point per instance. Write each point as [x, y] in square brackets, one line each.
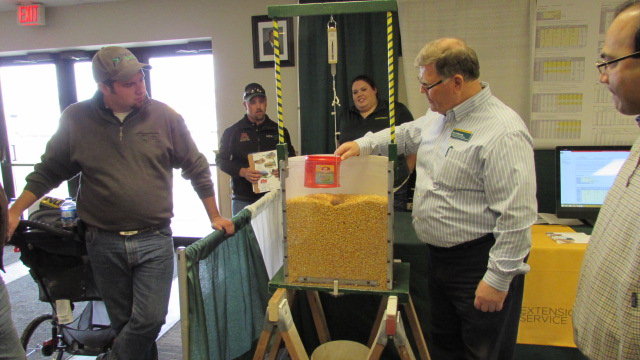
[339, 237]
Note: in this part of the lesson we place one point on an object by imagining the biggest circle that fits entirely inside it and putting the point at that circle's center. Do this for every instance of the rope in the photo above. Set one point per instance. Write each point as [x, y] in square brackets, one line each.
[392, 110]
[276, 46]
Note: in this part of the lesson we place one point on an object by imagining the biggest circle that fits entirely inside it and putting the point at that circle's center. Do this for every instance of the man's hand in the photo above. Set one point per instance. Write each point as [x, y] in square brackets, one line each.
[252, 175]
[348, 150]
[21, 204]
[14, 220]
[488, 298]
[220, 223]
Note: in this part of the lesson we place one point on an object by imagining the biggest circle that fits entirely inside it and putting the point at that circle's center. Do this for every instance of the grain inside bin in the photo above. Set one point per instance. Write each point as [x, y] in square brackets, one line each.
[337, 236]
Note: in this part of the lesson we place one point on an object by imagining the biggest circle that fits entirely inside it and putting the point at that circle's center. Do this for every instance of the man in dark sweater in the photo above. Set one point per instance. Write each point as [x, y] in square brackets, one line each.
[125, 146]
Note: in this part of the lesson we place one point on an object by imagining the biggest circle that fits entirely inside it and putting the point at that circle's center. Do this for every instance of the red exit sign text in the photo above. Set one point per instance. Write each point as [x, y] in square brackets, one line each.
[32, 14]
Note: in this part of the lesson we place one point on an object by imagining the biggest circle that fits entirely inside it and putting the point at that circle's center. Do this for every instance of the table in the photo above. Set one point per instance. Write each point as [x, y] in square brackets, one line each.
[550, 289]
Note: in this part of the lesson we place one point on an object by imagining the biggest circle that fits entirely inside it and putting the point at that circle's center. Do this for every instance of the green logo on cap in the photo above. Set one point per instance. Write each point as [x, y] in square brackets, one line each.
[116, 60]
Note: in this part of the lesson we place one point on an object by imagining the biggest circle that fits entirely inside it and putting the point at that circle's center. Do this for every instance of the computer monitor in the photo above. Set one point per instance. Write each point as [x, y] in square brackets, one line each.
[584, 175]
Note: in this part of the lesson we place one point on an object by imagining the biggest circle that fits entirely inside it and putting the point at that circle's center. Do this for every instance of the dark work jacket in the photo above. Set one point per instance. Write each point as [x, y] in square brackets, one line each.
[353, 126]
[237, 142]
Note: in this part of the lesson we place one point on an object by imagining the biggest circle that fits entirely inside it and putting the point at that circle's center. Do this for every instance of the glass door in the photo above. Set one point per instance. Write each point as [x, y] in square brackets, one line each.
[32, 109]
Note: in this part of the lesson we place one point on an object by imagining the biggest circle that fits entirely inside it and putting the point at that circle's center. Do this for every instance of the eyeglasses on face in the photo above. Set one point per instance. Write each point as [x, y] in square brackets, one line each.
[428, 87]
[603, 66]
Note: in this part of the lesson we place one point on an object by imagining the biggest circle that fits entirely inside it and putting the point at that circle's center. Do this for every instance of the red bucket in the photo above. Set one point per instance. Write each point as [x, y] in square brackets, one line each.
[322, 171]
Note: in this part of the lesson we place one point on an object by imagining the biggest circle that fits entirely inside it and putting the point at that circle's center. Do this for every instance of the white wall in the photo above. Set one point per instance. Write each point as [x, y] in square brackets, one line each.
[136, 22]
[498, 30]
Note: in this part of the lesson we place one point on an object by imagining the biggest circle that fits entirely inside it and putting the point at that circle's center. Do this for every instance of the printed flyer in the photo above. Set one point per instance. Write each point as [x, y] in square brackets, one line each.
[267, 163]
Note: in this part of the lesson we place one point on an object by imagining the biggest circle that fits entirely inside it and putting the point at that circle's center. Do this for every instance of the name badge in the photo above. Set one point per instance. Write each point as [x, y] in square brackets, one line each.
[460, 134]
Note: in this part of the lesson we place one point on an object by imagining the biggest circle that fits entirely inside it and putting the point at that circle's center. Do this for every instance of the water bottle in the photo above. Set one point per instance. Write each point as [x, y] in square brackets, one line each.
[68, 214]
[63, 311]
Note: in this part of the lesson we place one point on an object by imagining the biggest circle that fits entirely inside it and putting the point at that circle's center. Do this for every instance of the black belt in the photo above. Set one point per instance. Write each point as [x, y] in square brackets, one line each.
[479, 241]
[128, 232]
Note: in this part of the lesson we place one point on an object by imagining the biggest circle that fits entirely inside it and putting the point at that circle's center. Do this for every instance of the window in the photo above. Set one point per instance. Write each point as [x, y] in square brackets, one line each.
[31, 108]
[187, 85]
[85, 85]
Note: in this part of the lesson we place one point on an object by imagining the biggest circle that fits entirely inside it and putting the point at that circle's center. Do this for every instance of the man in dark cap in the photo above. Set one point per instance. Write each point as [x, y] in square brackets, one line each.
[125, 147]
[255, 132]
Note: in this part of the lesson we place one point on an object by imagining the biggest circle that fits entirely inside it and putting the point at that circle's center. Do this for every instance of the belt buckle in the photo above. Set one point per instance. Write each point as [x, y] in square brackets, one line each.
[129, 233]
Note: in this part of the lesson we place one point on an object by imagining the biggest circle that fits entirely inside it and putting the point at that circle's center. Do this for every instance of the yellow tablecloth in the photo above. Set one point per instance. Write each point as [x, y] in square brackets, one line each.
[550, 289]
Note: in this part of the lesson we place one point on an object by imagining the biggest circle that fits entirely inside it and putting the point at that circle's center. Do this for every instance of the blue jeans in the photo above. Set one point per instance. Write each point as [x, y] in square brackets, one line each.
[10, 348]
[133, 275]
[238, 205]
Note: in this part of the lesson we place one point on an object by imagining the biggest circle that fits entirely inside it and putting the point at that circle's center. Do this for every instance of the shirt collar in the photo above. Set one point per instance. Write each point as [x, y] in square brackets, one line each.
[461, 110]
[266, 123]
[98, 98]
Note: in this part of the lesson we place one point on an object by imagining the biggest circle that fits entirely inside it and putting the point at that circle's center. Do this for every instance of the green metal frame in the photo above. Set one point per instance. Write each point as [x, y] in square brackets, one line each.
[347, 7]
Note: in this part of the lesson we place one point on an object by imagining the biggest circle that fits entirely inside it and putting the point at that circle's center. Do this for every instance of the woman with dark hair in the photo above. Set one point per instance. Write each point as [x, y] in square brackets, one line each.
[369, 113]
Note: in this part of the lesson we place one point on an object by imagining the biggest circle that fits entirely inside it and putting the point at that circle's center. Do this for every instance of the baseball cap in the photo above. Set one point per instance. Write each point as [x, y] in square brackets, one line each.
[252, 90]
[115, 63]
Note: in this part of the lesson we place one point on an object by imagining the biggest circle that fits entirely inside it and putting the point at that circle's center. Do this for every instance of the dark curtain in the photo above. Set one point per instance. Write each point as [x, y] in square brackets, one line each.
[362, 49]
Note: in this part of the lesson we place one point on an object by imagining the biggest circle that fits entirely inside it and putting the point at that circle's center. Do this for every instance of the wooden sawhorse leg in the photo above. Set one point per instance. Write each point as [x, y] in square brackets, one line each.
[416, 330]
[318, 316]
[278, 319]
[390, 325]
[278, 322]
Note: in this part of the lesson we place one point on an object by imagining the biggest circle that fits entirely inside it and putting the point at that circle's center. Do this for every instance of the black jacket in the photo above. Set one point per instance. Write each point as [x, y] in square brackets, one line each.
[237, 142]
[353, 126]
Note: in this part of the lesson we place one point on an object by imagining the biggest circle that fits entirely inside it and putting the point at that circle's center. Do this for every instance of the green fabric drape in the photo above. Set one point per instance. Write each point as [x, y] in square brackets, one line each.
[362, 49]
[228, 292]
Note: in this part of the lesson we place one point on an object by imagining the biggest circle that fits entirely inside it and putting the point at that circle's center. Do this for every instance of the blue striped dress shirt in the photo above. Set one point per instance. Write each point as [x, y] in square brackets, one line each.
[475, 176]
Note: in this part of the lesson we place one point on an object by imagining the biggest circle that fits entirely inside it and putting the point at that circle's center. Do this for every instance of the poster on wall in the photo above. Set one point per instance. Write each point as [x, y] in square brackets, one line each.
[263, 41]
[569, 104]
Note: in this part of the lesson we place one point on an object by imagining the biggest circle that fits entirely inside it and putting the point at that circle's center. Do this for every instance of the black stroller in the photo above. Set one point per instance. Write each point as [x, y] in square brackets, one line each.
[59, 264]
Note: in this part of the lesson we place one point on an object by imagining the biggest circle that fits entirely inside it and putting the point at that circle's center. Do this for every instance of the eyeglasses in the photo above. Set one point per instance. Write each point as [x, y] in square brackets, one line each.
[603, 66]
[428, 87]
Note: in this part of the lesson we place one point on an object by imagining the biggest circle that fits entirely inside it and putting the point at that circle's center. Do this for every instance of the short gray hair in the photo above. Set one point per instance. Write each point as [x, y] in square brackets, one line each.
[450, 56]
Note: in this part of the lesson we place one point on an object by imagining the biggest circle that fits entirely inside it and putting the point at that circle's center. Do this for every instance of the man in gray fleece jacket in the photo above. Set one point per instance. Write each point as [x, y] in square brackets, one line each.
[125, 147]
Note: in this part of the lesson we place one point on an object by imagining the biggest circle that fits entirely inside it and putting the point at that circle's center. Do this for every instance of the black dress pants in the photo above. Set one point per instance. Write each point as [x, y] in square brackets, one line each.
[457, 329]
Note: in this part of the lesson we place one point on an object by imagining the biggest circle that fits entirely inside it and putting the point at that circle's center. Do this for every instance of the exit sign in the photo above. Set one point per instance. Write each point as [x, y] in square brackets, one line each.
[31, 14]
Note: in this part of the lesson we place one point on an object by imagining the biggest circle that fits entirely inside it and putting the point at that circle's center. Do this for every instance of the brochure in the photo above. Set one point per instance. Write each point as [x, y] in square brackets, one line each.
[267, 163]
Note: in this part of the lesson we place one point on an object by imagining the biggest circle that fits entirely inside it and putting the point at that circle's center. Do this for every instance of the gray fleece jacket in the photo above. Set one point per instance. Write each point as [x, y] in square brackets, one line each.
[126, 168]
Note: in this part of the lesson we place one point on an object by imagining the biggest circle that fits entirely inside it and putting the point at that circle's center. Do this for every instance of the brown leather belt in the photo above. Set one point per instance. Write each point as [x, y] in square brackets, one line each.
[128, 232]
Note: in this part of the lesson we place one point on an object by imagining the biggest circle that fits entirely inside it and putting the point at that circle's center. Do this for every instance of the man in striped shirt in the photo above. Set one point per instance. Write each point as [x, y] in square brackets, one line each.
[606, 316]
[474, 203]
